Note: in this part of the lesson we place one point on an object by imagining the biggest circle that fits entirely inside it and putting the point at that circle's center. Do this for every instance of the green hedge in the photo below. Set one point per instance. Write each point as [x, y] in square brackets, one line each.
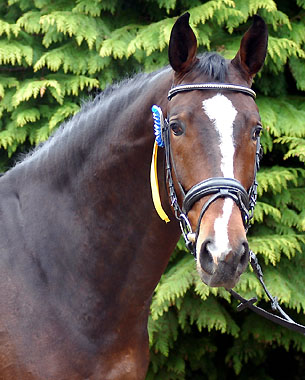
[53, 54]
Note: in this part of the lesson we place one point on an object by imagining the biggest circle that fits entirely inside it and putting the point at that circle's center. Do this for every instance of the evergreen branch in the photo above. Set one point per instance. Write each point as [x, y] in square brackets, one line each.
[8, 28]
[206, 11]
[282, 116]
[271, 246]
[24, 115]
[30, 22]
[73, 59]
[61, 113]
[262, 209]
[82, 27]
[297, 66]
[117, 44]
[151, 37]
[167, 4]
[280, 49]
[296, 146]
[95, 7]
[14, 52]
[33, 88]
[276, 179]
[173, 285]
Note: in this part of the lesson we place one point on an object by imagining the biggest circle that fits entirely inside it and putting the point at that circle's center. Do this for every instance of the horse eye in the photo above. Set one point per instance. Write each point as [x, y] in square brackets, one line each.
[257, 132]
[177, 127]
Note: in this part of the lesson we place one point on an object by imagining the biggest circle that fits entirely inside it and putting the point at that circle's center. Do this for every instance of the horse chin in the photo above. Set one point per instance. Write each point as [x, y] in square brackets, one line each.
[221, 277]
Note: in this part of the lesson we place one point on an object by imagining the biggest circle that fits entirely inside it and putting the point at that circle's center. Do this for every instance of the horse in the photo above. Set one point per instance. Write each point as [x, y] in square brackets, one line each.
[82, 246]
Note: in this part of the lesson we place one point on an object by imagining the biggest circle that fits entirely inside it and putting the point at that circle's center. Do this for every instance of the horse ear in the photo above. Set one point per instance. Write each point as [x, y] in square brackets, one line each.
[253, 48]
[182, 45]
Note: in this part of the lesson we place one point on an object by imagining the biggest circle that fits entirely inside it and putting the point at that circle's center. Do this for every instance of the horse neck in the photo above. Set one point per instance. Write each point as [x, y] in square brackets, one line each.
[135, 243]
[114, 240]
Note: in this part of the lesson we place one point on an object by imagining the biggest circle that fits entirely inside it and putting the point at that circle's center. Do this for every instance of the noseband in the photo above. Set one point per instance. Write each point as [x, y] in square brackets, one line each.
[217, 187]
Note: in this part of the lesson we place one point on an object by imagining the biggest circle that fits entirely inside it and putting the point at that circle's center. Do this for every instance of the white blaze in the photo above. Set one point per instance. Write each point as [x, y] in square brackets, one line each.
[222, 113]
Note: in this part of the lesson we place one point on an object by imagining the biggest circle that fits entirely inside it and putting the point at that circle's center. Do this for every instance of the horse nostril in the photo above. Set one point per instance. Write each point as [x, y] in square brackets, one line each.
[206, 258]
[244, 258]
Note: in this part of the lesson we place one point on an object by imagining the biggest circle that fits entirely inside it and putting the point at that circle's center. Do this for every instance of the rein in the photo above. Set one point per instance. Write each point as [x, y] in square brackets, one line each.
[217, 187]
[284, 320]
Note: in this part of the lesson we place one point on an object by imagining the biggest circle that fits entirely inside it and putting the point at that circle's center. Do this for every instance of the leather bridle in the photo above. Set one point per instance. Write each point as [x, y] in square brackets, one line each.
[215, 188]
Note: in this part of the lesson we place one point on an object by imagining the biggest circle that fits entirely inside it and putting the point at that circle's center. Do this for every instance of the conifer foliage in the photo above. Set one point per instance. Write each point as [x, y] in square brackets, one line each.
[55, 53]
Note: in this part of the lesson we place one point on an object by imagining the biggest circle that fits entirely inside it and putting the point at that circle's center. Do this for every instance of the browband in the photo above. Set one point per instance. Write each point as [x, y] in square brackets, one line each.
[210, 86]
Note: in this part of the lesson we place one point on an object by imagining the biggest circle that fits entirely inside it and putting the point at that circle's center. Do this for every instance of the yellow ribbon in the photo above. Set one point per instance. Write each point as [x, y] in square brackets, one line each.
[155, 185]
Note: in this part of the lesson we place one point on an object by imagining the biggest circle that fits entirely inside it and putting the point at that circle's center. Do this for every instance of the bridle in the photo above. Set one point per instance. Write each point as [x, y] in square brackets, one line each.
[215, 188]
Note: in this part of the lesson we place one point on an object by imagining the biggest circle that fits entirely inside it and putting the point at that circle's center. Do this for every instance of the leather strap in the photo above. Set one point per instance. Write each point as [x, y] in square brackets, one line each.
[210, 86]
[288, 323]
[225, 186]
[284, 319]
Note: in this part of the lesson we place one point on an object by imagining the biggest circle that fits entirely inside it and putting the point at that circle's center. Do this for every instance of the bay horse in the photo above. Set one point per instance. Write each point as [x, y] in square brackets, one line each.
[82, 246]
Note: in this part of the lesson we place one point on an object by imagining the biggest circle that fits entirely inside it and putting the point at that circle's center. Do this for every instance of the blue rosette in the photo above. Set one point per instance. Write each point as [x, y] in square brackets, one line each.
[158, 124]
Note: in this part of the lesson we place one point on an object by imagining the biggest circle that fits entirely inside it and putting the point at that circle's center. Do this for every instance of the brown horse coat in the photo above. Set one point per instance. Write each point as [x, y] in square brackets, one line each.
[81, 246]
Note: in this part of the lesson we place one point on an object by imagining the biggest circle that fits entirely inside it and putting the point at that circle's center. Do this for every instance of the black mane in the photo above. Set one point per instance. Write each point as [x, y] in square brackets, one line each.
[213, 65]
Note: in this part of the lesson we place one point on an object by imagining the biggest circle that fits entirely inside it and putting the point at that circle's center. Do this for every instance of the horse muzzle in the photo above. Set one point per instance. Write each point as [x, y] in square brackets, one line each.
[220, 260]
[222, 269]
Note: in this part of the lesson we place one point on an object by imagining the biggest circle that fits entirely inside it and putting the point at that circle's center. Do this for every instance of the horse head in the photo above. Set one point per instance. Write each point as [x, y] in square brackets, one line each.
[213, 139]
